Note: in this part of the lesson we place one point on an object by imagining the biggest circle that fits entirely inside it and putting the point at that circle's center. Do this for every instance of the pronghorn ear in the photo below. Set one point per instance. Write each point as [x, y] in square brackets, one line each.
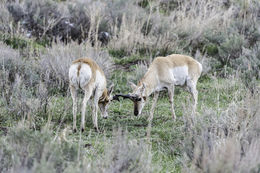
[111, 89]
[133, 86]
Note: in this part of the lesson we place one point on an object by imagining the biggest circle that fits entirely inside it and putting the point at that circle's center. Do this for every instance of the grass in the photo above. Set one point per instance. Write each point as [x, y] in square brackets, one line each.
[166, 146]
[166, 135]
[128, 60]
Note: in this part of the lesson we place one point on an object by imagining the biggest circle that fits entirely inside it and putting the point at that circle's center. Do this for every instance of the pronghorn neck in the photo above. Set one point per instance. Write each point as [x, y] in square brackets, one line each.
[150, 80]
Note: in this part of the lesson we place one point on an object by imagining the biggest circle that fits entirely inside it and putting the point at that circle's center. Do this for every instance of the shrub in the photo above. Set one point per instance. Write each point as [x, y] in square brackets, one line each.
[139, 71]
[28, 83]
[5, 18]
[49, 20]
[248, 63]
[219, 29]
[26, 150]
[226, 142]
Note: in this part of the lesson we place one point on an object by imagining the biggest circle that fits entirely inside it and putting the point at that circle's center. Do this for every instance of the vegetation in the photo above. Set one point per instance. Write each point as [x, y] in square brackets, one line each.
[39, 39]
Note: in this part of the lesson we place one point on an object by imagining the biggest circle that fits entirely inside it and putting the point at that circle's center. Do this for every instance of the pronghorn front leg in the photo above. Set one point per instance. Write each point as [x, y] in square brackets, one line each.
[94, 112]
[88, 92]
[73, 92]
[171, 95]
[155, 98]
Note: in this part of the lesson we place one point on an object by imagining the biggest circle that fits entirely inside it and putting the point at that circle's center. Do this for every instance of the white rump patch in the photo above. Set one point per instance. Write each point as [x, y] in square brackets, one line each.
[85, 74]
[73, 74]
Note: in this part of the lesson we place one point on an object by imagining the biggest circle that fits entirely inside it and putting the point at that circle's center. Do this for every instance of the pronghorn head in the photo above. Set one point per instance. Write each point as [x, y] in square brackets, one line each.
[105, 100]
[138, 97]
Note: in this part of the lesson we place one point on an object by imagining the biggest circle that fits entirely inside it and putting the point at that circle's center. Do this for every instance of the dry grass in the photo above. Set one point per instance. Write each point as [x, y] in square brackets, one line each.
[226, 141]
[25, 150]
[218, 29]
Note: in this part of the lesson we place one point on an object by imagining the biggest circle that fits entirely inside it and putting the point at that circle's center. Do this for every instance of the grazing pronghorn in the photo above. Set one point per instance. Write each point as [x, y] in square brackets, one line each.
[165, 72]
[85, 74]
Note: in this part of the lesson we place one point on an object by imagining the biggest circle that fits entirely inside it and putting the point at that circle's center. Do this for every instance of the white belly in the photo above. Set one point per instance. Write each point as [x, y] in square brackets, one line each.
[180, 75]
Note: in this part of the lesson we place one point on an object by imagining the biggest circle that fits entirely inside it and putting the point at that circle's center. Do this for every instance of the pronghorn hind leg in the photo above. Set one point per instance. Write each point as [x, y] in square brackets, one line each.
[95, 108]
[155, 98]
[87, 94]
[171, 97]
[73, 92]
[193, 90]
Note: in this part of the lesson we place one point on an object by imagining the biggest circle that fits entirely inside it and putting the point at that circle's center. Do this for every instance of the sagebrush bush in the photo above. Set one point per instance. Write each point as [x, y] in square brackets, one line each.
[49, 20]
[218, 29]
[39, 151]
[5, 18]
[248, 63]
[139, 71]
[226, 141]
[28, 83]
[26, 150]
[17, 76]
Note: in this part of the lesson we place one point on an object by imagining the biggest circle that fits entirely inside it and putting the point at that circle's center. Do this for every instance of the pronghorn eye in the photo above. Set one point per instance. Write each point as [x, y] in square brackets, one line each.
[144, 98]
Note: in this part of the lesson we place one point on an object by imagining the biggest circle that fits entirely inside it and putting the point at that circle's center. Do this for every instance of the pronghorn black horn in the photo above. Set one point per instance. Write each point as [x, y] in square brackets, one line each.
[125, 96]
[116, 97]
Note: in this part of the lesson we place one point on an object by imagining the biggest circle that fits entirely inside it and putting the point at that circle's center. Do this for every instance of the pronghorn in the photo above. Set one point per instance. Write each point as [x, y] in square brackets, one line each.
[165, 72]
[85, 74]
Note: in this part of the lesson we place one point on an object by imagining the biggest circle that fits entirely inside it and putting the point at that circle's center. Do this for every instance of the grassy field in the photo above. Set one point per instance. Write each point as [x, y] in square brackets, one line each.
[126, 142]
[39, 40]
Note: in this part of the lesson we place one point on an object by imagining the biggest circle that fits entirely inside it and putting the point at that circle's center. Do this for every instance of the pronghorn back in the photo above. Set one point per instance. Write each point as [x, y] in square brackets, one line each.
[174, 68]
[176, 61]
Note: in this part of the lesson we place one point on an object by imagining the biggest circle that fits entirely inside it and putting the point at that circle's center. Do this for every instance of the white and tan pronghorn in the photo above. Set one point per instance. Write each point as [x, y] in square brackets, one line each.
[85, 74]
[165, 72]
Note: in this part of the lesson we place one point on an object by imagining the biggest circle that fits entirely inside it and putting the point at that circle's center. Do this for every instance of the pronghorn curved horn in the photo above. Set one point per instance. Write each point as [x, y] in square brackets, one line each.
[125, 96]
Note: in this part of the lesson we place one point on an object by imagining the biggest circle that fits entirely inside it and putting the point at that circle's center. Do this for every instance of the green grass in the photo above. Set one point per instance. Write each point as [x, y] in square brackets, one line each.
[128, 60]
[20, 42]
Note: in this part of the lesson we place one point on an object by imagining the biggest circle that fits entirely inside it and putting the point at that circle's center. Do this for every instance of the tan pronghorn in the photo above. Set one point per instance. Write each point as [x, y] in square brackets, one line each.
[165, 72]
[85, 74]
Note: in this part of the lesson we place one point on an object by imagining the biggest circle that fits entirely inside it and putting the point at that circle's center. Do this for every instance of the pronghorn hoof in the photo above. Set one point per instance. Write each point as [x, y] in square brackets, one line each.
[82, 129]
[74, 130]
[105, 117]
